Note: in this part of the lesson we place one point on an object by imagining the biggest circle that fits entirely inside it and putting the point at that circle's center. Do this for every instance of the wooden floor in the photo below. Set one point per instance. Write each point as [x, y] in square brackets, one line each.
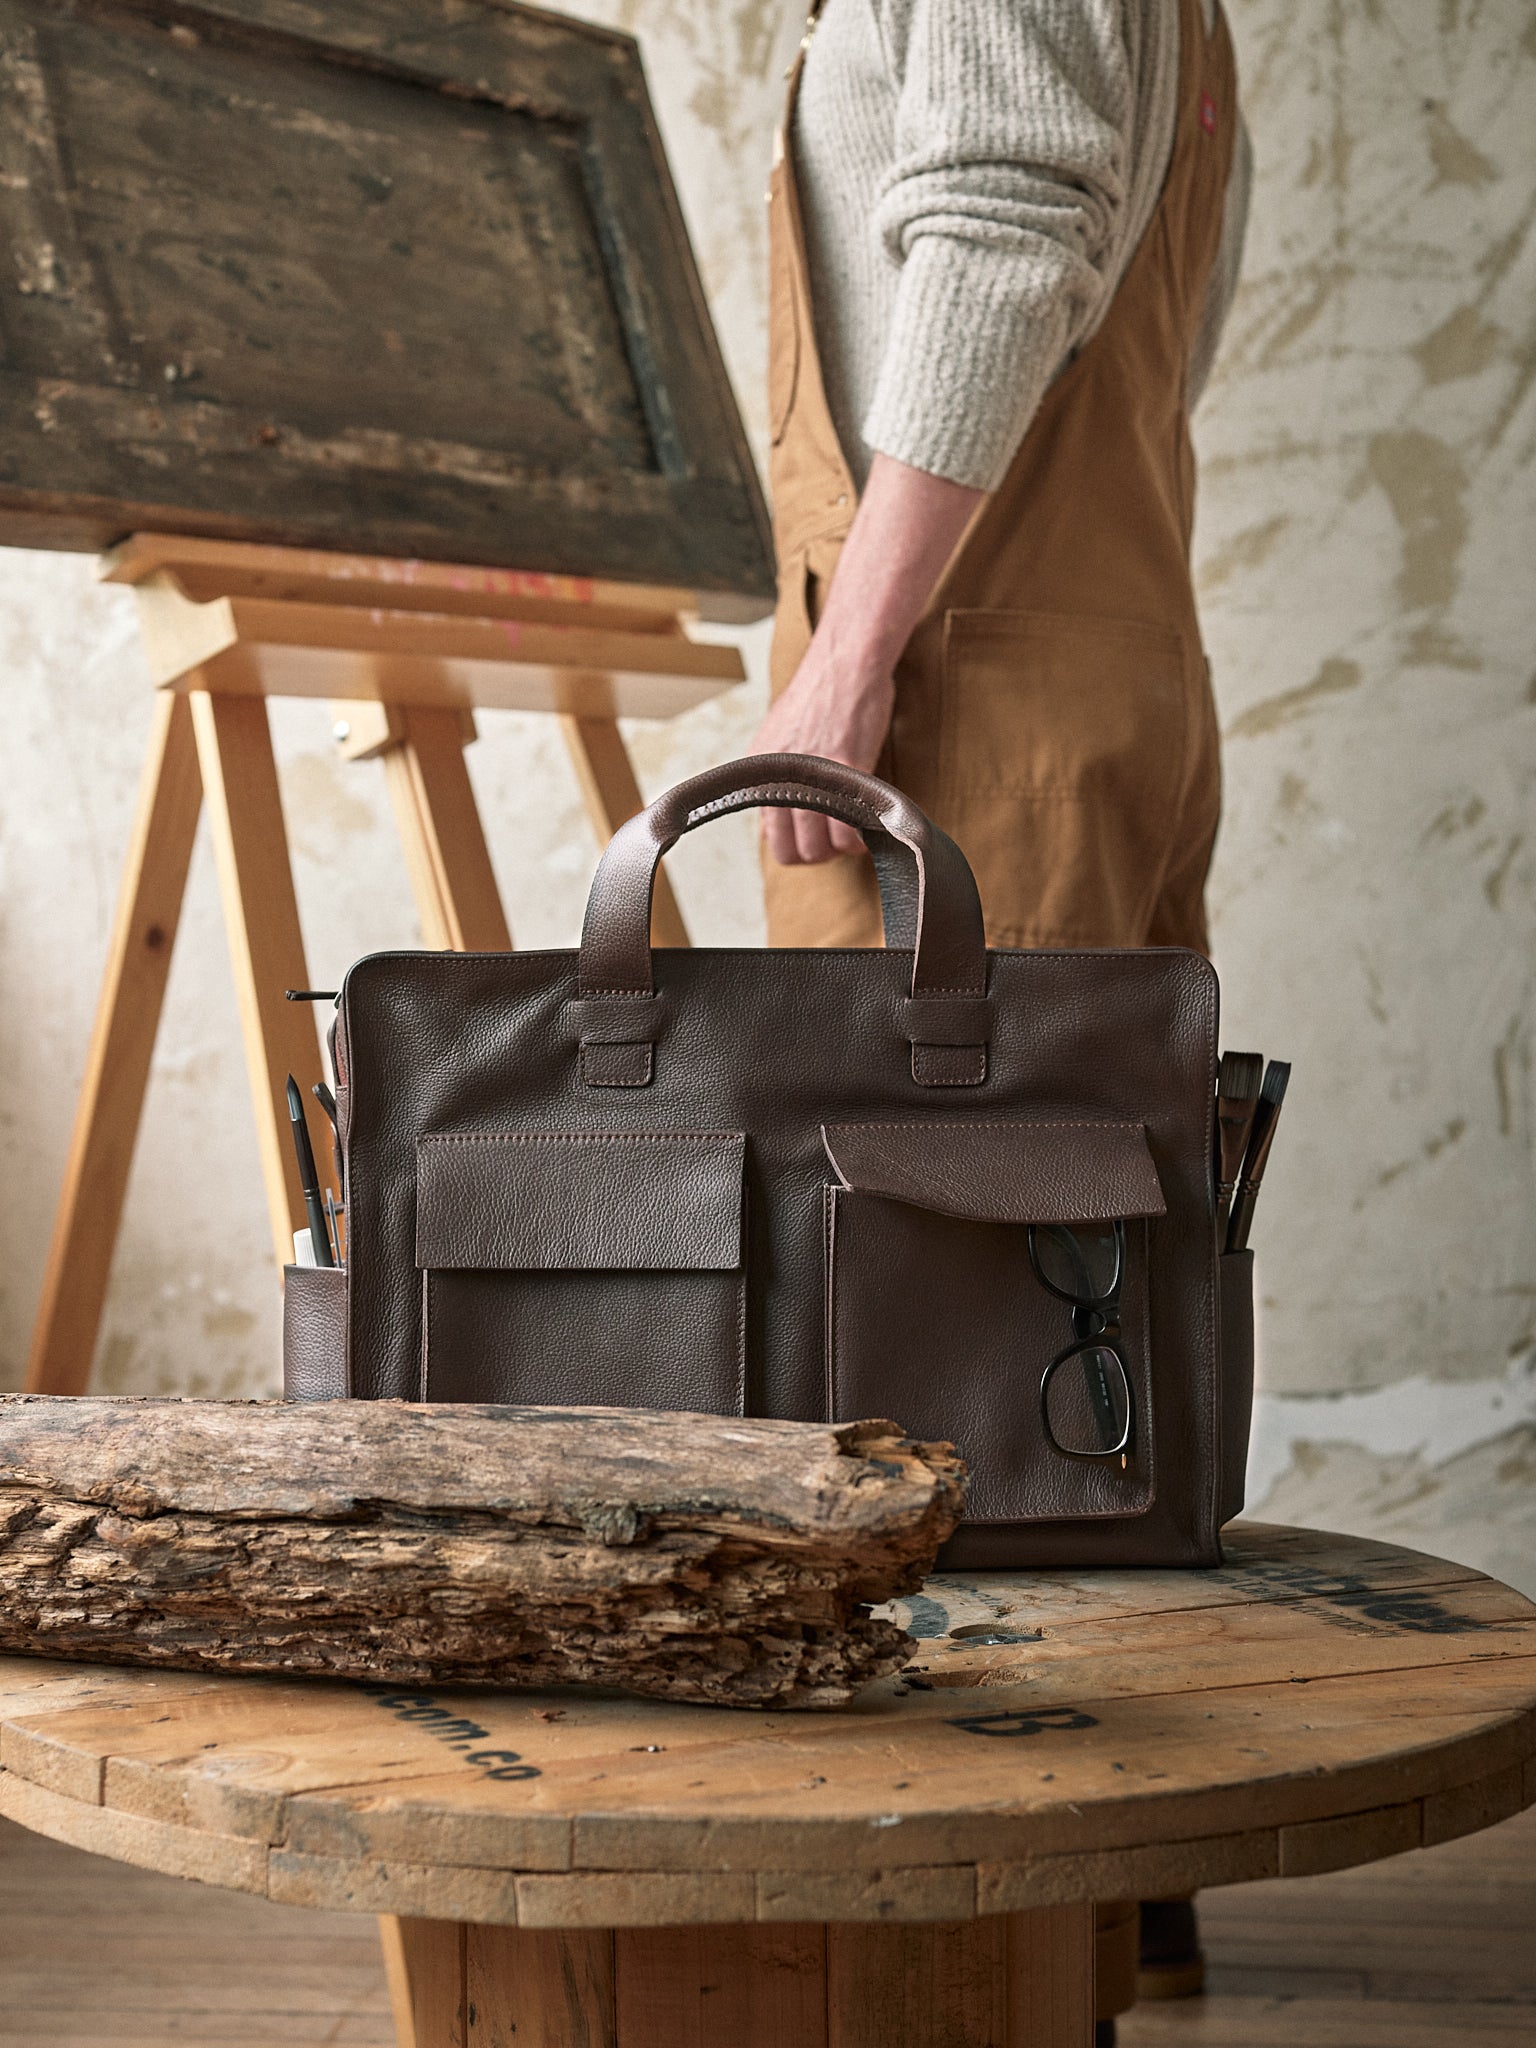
[95, 1955]
[1433, 1950]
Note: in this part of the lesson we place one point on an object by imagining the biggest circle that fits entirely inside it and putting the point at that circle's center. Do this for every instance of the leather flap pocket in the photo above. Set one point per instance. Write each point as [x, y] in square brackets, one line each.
[658, 1201]
[1026, 1171]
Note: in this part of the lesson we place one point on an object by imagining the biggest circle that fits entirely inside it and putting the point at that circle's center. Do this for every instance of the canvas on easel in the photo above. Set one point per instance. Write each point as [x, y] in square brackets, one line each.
[396, 277]
[366, 340]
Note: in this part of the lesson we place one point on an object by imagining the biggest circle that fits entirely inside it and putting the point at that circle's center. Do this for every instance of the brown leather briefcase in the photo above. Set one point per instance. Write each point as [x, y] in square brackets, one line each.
[970, 1190]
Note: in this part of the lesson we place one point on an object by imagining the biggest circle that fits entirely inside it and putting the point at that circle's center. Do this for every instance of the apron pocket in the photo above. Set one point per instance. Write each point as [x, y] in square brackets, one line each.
[935, 1316]
[1062, 761]
[602, 1268]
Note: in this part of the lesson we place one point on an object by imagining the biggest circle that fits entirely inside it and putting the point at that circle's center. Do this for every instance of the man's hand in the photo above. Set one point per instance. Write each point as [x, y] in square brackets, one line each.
[838, 702]
[839, 709]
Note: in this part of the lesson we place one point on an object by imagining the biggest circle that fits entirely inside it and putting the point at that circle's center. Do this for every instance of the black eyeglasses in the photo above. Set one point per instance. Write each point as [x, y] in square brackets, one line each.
[1085, 1391]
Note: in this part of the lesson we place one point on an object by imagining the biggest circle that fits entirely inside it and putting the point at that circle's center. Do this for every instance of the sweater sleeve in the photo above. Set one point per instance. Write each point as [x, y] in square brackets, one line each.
[1011, 163]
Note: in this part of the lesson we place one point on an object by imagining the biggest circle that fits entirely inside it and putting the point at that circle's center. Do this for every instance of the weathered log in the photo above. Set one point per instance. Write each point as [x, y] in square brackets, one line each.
[689, 1557]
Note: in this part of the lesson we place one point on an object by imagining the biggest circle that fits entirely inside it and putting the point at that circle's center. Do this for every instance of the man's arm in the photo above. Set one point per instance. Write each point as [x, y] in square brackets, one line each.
[839, 702]
[1011, 142]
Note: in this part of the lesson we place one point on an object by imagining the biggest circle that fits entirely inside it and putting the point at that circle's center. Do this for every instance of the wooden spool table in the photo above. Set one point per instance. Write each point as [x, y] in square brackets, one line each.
[575, 1871]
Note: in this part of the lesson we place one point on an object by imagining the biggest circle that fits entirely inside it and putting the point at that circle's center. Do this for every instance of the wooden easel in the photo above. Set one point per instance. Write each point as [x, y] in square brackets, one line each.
[407, 651]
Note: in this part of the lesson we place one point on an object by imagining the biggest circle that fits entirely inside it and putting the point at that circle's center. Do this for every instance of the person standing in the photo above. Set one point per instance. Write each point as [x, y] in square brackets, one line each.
[1004, 236]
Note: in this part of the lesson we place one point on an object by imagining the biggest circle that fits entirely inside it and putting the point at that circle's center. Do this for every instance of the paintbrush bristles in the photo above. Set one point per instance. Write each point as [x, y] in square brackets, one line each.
[1237, 1097]
[1260, 1138]
[1273, 1090]
[1239, 1075]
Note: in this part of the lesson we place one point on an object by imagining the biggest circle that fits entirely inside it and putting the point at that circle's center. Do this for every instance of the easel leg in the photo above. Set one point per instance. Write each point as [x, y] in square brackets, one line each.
[445, 850]
[611, 794]
[117, 1065]
[261, 915]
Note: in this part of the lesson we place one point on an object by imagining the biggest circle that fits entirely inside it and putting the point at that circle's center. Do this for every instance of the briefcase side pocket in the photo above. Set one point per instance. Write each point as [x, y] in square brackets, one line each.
[934, 1314]
[314, 1333]
[584, 1268]
[1235, 1271]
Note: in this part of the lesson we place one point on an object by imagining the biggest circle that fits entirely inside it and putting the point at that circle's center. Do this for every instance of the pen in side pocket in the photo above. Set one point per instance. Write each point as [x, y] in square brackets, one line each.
[1260, 1138]
[309, 1180]
[1237, 1095]
[327, 1102]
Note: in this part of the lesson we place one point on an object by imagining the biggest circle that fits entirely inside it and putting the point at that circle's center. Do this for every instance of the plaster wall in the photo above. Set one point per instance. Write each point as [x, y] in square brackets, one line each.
[1364, 548]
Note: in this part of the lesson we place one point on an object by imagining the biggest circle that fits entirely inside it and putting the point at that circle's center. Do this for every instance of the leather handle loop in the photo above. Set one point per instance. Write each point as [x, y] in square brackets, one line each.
[927, 891]
[948, 1020]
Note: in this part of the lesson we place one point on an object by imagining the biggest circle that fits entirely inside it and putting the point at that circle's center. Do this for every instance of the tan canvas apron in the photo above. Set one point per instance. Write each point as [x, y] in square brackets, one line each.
[1053, 707]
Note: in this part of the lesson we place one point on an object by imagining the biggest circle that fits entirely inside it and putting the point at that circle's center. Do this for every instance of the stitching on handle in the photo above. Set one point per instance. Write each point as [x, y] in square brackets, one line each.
[757, 791]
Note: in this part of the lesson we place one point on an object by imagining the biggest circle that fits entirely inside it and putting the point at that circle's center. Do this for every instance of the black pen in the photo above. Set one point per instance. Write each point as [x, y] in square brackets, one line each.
[309, 1180]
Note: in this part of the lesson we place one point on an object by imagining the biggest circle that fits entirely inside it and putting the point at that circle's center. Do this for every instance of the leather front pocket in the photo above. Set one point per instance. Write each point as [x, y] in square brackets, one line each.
[591, 1268]
[935, 1316]
[1062, 760]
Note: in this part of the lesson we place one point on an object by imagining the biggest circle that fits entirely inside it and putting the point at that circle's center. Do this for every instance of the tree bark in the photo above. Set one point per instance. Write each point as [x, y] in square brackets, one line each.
[688, 1557]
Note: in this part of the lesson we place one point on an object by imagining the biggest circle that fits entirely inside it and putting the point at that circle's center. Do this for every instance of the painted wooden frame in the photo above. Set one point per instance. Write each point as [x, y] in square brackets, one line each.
[400, 276]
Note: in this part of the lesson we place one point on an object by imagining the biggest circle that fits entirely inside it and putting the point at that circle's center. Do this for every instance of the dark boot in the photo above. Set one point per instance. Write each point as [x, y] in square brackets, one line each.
[1172, 1962]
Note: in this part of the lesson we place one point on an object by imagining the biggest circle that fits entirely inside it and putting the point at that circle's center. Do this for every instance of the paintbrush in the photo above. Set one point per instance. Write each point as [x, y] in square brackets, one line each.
[1237, 1096]
[1260, 1138]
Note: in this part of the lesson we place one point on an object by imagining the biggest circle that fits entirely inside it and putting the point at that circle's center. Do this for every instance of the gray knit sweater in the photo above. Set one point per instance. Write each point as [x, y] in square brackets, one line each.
[976, 175]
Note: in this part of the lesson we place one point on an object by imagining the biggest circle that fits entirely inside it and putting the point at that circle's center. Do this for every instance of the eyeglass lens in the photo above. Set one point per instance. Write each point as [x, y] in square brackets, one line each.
[1082, 1263]
[1088, 1402]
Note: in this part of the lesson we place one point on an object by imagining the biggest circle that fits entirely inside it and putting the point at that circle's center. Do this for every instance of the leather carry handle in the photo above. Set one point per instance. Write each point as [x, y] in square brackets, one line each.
[927, 891]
